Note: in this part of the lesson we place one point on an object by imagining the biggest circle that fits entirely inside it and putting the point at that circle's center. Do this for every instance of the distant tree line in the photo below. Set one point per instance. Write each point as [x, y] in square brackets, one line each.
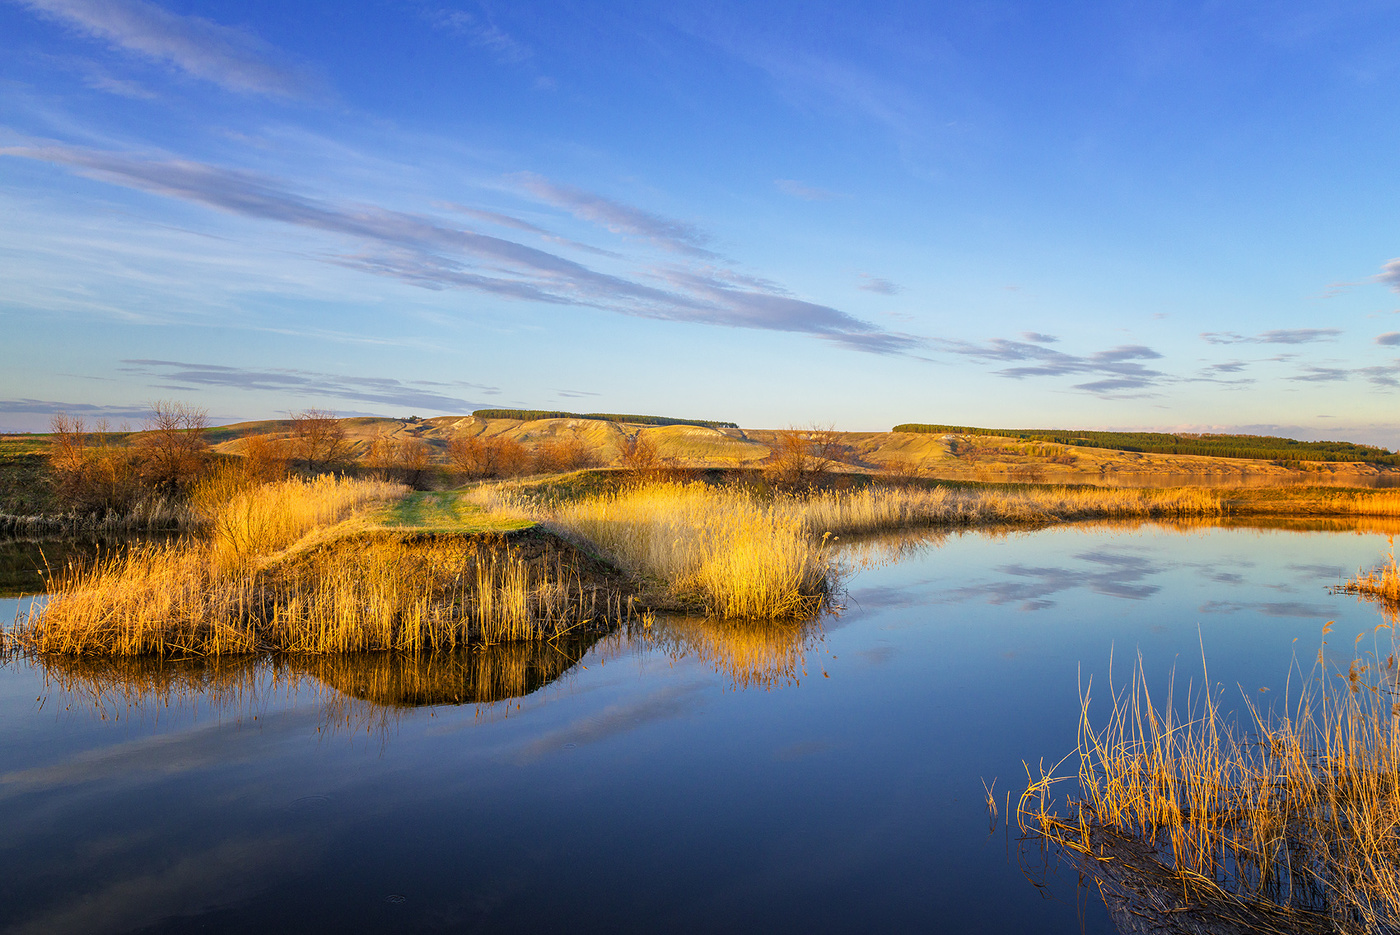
[530, 415]
[1249, 447]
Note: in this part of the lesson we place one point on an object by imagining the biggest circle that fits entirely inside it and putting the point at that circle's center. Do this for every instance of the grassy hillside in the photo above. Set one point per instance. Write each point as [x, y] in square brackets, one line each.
[533, 415]
[1251, 447]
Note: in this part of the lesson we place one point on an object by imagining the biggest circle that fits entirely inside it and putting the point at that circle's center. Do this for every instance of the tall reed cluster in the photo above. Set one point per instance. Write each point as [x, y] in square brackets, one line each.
[736, 554]
[244, 589]
[1295, 812]
[251, 522]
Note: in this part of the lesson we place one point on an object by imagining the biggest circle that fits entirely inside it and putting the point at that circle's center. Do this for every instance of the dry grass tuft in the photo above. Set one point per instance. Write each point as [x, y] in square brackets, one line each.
[356, 595]
[1294, 813]
[735, 554]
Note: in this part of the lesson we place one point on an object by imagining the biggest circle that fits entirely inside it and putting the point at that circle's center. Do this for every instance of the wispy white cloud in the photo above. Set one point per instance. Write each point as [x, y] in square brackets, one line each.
[1389, 339]
[617, 217]
[480, 32]
[1279, 336]
[1390, 274]
[231, 58]
[304, 384]
[1387, 375]
[1119, 369]
[432, 253]
[879, 286]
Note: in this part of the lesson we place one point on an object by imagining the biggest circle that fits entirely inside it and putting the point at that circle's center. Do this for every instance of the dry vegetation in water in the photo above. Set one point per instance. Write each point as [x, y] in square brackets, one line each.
[1380, 584]
[758, 554]
[878, 509]
[269, 577]
[1285, 824]
[721, 547]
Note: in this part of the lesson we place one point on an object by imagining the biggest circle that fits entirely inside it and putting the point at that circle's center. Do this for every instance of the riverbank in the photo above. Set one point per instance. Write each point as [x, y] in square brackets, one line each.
[334, 565]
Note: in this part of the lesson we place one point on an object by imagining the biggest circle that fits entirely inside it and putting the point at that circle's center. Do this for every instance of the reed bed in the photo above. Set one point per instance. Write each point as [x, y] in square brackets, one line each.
[1315, 501]
[365, 594]
[156, 514]
[269, 578]
[880, 509]
[737, 555]
[1290, 816]
[743, 554]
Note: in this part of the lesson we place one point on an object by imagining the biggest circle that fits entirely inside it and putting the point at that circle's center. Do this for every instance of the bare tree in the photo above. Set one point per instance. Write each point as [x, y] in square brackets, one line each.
[174, 451]
[562, 454]
[640, 457]
[318, 439]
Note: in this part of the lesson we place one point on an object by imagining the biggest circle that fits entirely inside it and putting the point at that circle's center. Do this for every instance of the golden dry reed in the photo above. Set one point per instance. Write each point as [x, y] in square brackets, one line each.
[737, 555]
[1295, 811]
[1380, 584]
[227, 594]
[366, 594]
[249, 523]
[878, 509]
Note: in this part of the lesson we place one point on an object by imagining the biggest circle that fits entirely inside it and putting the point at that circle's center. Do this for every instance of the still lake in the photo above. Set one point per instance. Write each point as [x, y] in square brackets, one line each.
[687, 777]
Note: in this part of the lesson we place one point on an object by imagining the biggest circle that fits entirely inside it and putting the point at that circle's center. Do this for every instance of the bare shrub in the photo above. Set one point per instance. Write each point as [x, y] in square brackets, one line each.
[800, 456]
[562, 454]
[318, 439]
[172, 449]
[91, 473]
[401, 460]
[640, 457]
[266, 458]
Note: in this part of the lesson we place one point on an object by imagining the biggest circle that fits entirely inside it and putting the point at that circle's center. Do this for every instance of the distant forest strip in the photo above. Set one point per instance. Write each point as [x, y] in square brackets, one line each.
[1252, 447]
[529, 415]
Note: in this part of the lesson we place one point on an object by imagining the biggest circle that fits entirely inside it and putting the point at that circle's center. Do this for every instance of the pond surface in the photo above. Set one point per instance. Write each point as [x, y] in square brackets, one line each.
[689, 777]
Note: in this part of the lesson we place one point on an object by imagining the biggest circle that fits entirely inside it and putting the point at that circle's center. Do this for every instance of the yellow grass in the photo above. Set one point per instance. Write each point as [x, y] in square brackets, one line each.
[1380, 584]
[739, 556]
[876, 509]
[256, 522]
[1297, 811]
[362, 594]
[262, 581]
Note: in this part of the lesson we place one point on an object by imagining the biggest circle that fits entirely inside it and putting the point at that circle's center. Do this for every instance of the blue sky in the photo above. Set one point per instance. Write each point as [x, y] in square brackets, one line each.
[1112, 215]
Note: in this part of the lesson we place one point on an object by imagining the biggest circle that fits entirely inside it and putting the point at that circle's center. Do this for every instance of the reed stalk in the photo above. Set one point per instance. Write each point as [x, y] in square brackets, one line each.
[1293, 811]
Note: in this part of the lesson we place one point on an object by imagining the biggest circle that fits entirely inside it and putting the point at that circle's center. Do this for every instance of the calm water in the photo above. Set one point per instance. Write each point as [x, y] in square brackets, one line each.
[694, 777]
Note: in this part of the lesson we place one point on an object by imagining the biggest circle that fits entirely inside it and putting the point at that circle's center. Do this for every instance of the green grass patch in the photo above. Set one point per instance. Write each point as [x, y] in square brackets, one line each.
[447, 511]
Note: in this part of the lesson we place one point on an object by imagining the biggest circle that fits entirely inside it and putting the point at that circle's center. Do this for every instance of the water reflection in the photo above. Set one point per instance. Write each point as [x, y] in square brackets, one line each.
[750, 653]
[240, 685]
[27, 564]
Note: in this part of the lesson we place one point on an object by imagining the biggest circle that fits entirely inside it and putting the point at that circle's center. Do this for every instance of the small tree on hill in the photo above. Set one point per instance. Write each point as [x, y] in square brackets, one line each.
[318, 439]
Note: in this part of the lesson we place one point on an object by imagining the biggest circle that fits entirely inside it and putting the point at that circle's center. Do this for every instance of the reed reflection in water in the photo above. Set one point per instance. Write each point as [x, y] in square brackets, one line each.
[751, 654]
[236, 686]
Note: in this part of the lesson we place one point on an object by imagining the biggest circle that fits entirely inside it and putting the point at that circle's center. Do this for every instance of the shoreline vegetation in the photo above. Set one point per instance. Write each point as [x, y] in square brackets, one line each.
[1282, 823]
[1271, 820]
[303, 543]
